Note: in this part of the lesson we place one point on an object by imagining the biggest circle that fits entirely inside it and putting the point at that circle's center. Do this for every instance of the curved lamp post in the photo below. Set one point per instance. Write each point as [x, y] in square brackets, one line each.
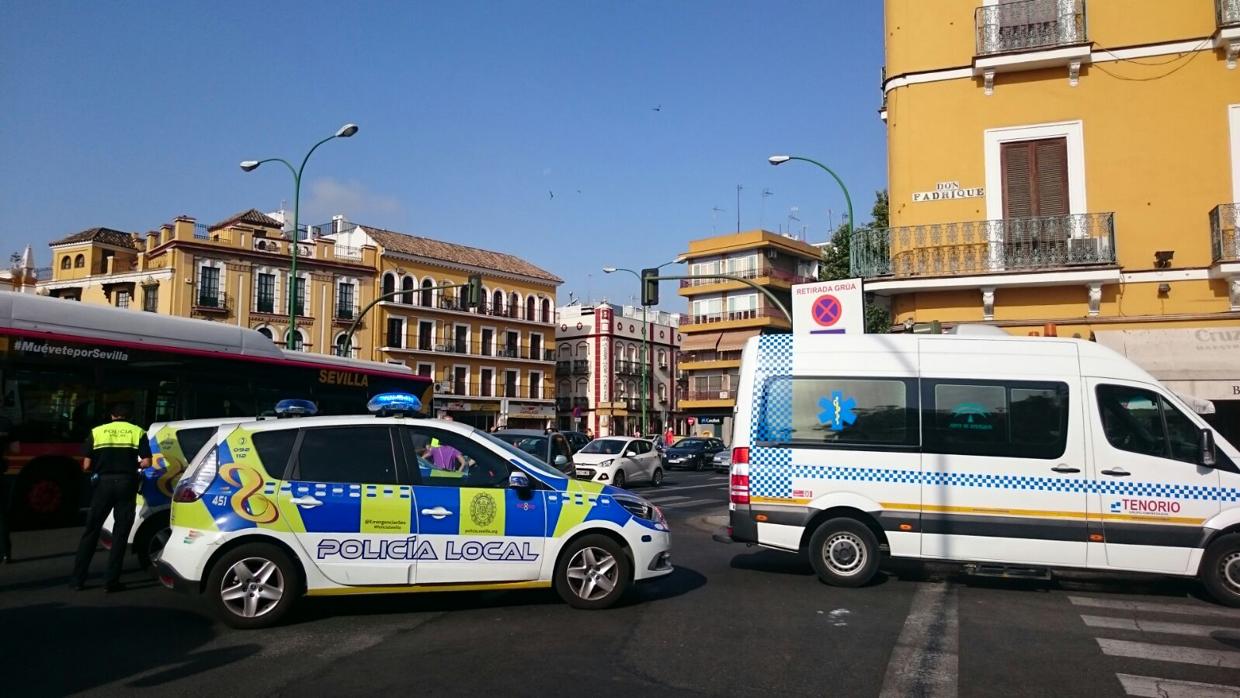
[781, 159]
[249, 166]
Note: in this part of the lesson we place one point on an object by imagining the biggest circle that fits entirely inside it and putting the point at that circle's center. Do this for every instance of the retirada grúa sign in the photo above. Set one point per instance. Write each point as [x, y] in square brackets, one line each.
[949, 190]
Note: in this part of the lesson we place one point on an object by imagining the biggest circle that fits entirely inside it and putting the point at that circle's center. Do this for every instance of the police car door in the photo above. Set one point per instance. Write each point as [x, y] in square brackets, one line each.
[1152, 494]
[350, 505]
[478, 528]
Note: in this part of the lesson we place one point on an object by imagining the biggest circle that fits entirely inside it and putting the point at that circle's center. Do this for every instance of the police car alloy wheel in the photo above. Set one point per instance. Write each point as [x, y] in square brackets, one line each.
[253, 586]
[844, 552]
[1220, 570]
[593, 572]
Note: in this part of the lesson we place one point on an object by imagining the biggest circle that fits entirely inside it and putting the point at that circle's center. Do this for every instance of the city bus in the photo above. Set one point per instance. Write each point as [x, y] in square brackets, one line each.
[64, 363]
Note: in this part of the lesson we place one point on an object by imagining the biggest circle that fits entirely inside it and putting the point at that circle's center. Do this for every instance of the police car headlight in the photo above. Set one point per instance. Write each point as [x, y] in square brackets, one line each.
[641, 509]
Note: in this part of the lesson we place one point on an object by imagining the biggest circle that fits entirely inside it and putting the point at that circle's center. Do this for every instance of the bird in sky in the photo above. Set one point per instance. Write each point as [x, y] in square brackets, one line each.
[551, 193]
[658, 107]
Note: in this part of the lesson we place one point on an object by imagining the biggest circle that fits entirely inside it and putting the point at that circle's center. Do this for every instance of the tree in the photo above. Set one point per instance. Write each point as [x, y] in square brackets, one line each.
[836, 257]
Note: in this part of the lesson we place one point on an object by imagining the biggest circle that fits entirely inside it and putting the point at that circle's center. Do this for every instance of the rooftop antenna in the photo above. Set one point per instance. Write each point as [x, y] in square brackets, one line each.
[792, 216]
[762, 210]
[738, 207]
[714, 218]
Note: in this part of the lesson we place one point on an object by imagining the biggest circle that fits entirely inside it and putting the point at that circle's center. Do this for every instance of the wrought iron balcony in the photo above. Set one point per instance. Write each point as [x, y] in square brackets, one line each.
[208, 300]
[987, 247]
[1030, 25]
[1226, 13]
[1224, 241]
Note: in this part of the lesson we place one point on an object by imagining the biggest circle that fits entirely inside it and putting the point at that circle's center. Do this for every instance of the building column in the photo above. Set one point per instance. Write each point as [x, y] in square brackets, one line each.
[1095, 298]
[988, 302]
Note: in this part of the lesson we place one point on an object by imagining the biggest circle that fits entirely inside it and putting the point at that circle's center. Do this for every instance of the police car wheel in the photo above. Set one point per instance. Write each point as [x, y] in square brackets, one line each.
[253, 586]
[149, 541]
[656, 479]
[592, 573]
[844, 552]
[1220, 570]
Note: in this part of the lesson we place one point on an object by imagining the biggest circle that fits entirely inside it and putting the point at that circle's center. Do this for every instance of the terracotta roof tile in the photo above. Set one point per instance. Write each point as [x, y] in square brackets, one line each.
[252, 217]
[458, 254]
[105, 235]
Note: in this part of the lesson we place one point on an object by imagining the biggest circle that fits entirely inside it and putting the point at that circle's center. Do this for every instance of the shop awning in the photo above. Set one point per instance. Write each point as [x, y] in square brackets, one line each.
[735, 341]
[700, 342]
[1200, 364]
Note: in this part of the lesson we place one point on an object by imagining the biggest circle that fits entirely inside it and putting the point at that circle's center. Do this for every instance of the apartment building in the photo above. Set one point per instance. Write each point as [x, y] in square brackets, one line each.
[725, 313]
[1074, 162]
[602, 359]
[493, 365]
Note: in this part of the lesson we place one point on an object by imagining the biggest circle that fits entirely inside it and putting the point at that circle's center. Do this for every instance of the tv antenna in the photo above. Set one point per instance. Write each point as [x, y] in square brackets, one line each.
[762, 211]
[714, 218]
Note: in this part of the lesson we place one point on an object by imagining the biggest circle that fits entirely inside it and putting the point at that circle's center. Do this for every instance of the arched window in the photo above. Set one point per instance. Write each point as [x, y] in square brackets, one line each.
[265, 331]
[546, 310]
[389, 283]
[662, 392]
[582, 349]
[514, 304]
[662, 358]
[299, 340]
[582, 387]
[565, 388]
[339, 348]
[566, 351]
[406, 285]
[497, 302]
[428, 296]
[529, 308]
[79, 261]
[447, 295]
[632, 353]
[66, 262]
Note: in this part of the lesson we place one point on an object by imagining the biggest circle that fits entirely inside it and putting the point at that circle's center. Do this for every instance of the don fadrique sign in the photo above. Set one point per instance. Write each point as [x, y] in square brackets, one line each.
[948, 190]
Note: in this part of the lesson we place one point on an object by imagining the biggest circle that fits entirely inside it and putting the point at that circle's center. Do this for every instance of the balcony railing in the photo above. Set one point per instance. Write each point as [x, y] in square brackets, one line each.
[486, 389]
[628, 368]
[210, 301]
[753, 314]
[696, 356]
[766, 271]
[721, 394]
[345, 312]
[574, 366]
[462, 347]
[987, 247]
[1226, 13]
[1029, 25]
[457, 305]
[1224, 242]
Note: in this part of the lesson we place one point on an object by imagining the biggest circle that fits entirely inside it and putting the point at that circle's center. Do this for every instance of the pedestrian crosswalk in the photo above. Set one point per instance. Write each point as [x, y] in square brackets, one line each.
[690, 494]
[1165, 638]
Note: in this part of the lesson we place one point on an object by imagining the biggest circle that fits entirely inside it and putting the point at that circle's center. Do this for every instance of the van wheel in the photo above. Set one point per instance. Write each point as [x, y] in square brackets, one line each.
[592, 573]
[844, 553]
[253, 586]
[656, 479]
[1220, 570]
[149, 543]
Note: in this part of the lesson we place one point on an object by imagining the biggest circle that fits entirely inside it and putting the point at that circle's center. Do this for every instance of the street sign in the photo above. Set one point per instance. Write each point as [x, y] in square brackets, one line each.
[828, 307]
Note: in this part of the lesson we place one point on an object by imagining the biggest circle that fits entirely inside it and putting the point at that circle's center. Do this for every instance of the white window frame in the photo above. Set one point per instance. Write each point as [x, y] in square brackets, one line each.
[1233, 113]
[992, 145]
[434, 332]
[418, 366]
[467, 376]
[542, 341]
[494, 334]
[542, 384]
[404, 330]
[492, 381]
[469, 336]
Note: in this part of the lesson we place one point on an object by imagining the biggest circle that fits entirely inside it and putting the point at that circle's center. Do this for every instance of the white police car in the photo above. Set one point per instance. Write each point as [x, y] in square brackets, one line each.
[392, 503]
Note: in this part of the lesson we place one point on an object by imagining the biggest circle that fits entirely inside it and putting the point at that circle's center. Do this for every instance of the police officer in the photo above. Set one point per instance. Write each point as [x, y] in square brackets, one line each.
[116, 451]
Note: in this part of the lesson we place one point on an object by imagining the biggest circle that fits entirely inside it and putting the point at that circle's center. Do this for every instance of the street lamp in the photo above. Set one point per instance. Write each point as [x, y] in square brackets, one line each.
[777, 160]
[645, 353]
[345, 131]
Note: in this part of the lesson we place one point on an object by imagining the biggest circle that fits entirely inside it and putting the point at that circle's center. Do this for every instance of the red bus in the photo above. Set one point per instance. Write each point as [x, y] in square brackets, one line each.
[63, 363]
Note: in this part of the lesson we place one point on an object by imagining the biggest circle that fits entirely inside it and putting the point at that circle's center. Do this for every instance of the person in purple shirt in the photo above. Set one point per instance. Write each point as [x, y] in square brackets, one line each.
[445, 457]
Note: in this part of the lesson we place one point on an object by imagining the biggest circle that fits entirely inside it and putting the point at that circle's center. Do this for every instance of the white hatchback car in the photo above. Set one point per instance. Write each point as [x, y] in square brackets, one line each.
[619, 461]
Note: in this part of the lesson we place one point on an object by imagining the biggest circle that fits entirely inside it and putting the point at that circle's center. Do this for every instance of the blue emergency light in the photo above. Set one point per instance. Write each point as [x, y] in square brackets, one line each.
[296, 407]
[389, 404]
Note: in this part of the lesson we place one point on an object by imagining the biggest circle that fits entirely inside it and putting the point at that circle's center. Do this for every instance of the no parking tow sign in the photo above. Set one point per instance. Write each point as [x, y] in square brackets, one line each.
[828, 307]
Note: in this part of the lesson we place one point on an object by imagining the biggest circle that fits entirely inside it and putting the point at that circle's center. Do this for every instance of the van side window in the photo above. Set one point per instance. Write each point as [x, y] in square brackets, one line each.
[845, 413]
[1142, 421]
[996, 418]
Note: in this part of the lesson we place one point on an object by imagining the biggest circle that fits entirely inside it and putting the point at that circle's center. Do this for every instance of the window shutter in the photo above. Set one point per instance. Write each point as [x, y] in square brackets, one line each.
[1051, 176]
[1018, 201]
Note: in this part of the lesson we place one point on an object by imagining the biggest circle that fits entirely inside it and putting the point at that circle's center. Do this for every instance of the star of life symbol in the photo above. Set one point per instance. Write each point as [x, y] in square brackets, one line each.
[837, 411]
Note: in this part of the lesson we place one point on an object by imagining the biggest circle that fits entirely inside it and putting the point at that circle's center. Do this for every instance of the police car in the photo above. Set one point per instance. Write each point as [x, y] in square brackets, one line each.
[173, 445]
[394, 503]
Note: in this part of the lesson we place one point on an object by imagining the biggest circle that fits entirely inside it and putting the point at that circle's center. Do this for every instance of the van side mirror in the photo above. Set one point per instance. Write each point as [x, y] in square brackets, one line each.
[1207, 457]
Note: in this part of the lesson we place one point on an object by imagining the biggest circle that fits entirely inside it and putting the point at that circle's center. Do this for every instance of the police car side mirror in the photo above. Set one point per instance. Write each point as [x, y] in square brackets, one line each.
[560, 461]
[519, 481]
[1207, 457]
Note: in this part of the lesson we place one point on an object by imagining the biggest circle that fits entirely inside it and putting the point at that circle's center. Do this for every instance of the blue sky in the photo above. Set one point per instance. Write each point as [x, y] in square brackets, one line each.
[126, 114]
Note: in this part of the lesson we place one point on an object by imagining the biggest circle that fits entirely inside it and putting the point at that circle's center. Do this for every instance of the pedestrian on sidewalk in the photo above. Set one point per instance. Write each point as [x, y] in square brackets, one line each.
[116, 452]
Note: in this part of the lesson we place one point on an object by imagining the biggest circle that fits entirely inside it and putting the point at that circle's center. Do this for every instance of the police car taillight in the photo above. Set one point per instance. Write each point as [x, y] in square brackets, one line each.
[738, 489]
[193, 485]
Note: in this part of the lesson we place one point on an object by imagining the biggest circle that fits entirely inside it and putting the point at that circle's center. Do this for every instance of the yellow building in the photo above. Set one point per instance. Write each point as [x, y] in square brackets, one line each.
[493, 366]
[723, 314]
[1063, 161]
[235, 272]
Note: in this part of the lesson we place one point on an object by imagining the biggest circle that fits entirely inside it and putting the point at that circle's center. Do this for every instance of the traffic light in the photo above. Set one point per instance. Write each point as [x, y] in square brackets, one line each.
[650, 287]
[473, 291]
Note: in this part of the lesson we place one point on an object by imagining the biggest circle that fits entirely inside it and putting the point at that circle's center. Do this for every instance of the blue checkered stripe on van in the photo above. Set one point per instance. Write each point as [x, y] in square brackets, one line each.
[771, 418]
[773, 476]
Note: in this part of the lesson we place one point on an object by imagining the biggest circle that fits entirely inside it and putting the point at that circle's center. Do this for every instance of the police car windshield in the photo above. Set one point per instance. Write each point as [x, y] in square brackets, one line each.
[539, 467]
[608, 447]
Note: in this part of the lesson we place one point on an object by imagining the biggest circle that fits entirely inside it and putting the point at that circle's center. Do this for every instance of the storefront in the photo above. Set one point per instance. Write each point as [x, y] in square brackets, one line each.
[527, 415]
[1201, 365]
[714, 425]
[480, 415]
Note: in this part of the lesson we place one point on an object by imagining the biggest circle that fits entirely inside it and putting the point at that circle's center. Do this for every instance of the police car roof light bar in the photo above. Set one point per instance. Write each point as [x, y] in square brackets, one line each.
[394, 405]
[296, 407]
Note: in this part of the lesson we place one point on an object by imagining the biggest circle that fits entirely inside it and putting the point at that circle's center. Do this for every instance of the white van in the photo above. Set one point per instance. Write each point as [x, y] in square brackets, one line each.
[1014, 455]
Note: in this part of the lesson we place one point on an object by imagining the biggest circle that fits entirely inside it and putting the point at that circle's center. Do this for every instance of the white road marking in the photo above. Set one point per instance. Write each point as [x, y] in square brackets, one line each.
[1142, 606]
[926, 656]
[1150, 687]
[658, 500]
[1169, 653]
[691, 503]
[719, 485]
[1155, 626]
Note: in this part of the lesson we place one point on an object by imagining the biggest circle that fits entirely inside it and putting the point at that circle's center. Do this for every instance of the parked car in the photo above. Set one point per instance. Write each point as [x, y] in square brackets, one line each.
[619, 460]
[576, 440]
[722, 461]
[693, 452]
[551, 447]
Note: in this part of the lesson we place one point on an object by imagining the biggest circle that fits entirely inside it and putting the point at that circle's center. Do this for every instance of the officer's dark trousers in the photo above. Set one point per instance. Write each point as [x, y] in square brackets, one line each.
[117, 494]
[6, 487]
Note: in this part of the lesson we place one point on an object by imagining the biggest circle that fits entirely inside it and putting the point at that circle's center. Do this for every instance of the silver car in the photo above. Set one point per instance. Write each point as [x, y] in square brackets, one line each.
[722, 461]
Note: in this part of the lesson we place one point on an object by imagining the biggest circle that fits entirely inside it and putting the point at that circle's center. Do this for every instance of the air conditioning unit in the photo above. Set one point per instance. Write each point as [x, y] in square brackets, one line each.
[441, 387]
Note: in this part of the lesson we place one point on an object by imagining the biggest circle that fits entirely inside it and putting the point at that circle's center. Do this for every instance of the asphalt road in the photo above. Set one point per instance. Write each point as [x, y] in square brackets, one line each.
[730, 620]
